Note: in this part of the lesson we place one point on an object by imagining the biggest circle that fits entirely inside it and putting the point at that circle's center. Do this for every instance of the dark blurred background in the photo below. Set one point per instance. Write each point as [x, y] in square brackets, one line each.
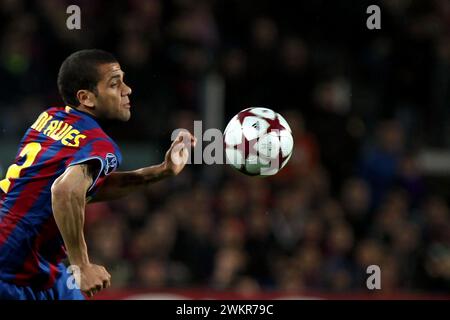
[369, 179]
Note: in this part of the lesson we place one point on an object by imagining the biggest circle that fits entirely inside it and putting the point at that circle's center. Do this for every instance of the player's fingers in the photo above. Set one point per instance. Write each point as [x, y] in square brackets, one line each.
[183, 158]
[184, 139]
[184, 153]
[178, 148]
[175, 154]
[177, 143]
[181, 135]
[98, 288]
[90, 293]
[106, 273]
[192, 140]
[106, 283]
[185, 136]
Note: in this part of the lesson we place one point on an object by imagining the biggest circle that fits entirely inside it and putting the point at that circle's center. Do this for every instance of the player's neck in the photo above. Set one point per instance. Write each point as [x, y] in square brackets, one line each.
[86, 110]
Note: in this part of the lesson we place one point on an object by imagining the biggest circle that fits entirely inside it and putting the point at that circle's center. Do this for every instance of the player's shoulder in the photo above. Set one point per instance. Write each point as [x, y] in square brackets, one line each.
[54, 109]
[85, 123]
[60, 113]
[90, 128]
[73, 128]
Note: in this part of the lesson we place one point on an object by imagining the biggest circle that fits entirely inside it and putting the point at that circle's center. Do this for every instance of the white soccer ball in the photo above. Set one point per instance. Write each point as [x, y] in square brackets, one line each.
[258, 142]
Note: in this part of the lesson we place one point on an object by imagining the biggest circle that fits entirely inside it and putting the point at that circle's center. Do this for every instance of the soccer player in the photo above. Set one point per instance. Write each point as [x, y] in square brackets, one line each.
[64, 161]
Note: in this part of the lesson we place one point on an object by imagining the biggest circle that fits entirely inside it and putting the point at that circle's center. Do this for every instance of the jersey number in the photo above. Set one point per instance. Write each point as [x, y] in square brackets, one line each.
[30, 151]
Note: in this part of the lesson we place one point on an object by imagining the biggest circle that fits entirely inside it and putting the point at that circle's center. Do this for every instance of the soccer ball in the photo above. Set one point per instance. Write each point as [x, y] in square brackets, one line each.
[258, 142]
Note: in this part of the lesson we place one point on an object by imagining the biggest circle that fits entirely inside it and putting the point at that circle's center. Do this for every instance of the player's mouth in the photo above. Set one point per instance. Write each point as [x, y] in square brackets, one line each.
[126, 105]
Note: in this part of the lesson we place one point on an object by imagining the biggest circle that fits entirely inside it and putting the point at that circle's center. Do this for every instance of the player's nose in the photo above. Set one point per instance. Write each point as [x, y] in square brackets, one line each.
[127, 90]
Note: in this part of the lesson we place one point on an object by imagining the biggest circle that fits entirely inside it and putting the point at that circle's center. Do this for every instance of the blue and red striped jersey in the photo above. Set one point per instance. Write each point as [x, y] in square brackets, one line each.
[31, 246]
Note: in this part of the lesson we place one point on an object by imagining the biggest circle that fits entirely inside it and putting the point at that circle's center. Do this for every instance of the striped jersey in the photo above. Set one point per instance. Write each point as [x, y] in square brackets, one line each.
[31, 246]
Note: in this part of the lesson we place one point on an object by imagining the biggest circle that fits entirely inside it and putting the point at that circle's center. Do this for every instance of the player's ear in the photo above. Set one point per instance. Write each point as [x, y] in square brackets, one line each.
[86, 98]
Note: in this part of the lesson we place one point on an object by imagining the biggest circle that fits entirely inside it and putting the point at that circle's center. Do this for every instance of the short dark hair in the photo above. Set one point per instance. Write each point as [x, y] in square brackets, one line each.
[80, 71]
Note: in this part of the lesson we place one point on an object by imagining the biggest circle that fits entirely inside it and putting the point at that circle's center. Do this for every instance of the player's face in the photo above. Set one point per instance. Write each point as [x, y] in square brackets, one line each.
[112, 100]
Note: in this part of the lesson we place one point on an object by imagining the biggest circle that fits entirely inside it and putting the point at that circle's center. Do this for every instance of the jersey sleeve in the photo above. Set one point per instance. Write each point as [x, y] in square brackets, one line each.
[102, 151]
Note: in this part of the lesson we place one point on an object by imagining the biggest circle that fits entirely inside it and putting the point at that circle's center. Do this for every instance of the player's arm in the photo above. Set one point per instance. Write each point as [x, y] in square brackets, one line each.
[68, 203]
[119, 184]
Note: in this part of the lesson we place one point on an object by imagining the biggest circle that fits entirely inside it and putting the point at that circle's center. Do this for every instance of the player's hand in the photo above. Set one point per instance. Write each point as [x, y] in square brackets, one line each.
[178, 154]
[94, 278]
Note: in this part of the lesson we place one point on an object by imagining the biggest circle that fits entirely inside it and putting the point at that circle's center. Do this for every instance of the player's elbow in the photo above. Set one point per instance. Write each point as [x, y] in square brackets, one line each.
[59, 191]
[63, 192]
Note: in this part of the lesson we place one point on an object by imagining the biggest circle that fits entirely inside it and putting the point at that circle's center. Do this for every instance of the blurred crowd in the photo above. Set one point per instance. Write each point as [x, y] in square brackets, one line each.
[291, 232]
[361, 104]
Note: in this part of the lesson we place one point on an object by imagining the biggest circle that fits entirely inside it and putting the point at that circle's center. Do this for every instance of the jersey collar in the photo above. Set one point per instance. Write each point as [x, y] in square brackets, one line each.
[69, 109]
